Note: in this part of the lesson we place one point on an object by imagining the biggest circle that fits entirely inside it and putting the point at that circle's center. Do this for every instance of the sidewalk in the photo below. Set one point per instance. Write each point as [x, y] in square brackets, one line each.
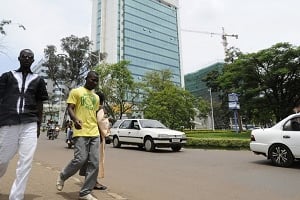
[41, 185]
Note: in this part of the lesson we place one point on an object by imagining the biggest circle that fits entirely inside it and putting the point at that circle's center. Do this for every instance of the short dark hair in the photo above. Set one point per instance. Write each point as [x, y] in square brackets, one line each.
[92, 73]
[28, 50]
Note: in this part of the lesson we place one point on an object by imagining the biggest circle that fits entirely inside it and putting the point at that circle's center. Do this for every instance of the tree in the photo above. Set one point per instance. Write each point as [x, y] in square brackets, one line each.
[166, 102]
[158, 80]
[203, 107]
[119, 88]
[70, 67]
[232, 54]
[2, 24]
[267, 81]
[7, 22]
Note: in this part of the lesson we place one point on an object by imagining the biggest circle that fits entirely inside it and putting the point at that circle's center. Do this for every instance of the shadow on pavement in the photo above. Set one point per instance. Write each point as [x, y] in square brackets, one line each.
[69, 195]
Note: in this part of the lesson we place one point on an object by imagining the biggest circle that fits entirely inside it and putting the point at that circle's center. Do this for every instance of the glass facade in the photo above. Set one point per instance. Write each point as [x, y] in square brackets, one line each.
[194, 81]
[98, 25]
[147, 36]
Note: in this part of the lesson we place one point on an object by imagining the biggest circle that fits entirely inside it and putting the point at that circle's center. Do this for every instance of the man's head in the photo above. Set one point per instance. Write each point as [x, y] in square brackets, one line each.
[91, 80]
[26, 58]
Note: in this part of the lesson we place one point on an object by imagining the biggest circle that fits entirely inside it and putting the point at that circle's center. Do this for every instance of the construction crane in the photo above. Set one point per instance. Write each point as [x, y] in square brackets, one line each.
[223, 35]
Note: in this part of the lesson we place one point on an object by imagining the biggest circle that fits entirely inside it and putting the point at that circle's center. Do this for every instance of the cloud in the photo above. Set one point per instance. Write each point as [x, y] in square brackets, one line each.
[259, 24]
[46, 22]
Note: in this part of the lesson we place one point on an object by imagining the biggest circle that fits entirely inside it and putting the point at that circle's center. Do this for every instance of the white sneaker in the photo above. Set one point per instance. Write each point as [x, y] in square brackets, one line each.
[88, 197]
[59, 183]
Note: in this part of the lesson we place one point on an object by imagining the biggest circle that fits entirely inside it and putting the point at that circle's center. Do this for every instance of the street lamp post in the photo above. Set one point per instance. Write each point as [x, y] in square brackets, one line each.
[59, 111]
[212, 110]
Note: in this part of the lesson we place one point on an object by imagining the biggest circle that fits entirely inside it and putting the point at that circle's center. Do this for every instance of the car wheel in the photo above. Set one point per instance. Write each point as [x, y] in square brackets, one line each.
[281, 156]
[116, 142]
[176, 148]
[149, 144]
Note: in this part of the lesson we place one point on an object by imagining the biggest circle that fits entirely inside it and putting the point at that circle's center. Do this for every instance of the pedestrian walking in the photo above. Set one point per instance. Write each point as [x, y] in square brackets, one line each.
[21, 106]
[103, 129]
[83, 104]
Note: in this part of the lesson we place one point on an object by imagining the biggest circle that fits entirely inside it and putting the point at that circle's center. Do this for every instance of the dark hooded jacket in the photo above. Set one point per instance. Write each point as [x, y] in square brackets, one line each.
[19, 98]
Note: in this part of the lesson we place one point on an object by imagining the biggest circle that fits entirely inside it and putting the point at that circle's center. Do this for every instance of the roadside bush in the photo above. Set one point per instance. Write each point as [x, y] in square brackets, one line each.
[219, 139]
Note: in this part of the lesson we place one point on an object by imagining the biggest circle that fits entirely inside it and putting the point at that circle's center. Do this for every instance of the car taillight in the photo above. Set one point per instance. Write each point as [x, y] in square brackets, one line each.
[252, 138]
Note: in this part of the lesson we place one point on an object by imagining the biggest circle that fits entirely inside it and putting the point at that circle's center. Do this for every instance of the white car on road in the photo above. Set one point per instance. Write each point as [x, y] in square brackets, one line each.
[280, 143]
[147, 133]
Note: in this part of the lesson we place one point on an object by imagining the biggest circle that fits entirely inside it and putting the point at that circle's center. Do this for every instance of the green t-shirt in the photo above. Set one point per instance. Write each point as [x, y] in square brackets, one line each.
[86, 105]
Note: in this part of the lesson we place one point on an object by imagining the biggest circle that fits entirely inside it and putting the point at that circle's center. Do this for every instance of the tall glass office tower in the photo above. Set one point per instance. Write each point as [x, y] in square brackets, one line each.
[144, 32]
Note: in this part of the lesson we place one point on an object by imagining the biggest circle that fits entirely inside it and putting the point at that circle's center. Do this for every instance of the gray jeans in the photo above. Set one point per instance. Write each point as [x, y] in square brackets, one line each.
[86, 149]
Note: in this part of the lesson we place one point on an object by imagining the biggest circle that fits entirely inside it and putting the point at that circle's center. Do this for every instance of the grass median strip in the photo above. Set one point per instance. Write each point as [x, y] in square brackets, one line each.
[207, 139]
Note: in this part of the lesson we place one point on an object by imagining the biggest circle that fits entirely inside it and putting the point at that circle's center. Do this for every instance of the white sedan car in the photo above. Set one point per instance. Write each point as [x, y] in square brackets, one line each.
[280, 143]
[147, 133]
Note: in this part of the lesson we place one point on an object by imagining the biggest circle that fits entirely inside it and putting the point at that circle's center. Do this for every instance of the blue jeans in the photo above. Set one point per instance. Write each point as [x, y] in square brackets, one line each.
[86, 149]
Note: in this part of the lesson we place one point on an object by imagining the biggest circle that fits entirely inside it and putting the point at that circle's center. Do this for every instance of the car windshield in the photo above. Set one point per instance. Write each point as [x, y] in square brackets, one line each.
[151, 124]
[116, 124]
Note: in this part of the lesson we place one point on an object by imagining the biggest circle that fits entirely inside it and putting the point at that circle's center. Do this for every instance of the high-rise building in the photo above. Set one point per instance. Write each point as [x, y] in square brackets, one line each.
[194, 83]
[144, 32]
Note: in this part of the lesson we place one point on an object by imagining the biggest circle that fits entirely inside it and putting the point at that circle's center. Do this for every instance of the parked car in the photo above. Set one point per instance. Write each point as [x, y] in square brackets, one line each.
[280, 143]
[146, 133]
[251, 127]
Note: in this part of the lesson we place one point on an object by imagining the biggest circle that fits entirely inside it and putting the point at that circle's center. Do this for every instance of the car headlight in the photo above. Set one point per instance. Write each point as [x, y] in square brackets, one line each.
[163, 135]
[180, 136]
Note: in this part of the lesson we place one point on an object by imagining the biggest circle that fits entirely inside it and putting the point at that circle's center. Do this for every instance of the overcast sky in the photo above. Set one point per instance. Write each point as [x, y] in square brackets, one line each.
[258, 23]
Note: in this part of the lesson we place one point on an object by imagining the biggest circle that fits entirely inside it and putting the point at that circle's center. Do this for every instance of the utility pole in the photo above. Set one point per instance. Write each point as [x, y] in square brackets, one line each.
[212, 110]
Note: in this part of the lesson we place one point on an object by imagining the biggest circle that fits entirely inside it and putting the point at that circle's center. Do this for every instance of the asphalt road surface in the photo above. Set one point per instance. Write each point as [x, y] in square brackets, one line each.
[192, 174]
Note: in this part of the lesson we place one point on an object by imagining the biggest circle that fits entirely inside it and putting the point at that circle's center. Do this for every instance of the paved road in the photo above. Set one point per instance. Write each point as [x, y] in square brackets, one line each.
[200, 174]
[191, 174]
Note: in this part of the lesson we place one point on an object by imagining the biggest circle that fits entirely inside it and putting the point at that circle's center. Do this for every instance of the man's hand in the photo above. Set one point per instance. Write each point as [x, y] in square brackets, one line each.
[77, 124]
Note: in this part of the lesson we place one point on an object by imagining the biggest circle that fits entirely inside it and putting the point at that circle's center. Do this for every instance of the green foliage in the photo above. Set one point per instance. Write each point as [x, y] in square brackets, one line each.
[217, 143]
[219, 134]
[218, 139]
[69, 68]
[203, 107]
[158, 80]
[119, 88]
[267, 82]
[166, 102]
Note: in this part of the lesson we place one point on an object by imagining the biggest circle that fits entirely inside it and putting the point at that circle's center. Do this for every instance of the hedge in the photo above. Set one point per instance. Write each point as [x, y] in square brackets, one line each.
[217, 143]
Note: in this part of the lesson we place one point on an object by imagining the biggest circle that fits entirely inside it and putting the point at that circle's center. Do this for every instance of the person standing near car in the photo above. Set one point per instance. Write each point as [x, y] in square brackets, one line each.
[21, 106]
[83, 104]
